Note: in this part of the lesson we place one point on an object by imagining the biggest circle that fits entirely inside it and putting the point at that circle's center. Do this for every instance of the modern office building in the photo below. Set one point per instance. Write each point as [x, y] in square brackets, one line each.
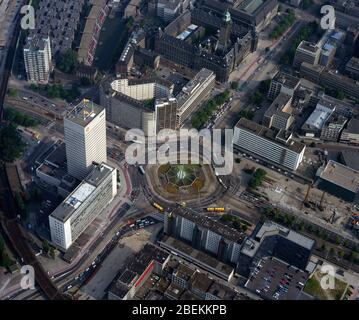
[166, 113]
[275, 147]
[283, 83]
[70, 219]
[145, 104]
[85, 138]
[279, 114]
[273, 240]
[339, 180]
[306, 52]
[205, 234]
[37, 58]
[194, 93]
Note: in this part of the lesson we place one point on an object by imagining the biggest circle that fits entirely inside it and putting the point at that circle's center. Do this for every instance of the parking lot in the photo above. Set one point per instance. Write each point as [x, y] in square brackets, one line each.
[274, 280]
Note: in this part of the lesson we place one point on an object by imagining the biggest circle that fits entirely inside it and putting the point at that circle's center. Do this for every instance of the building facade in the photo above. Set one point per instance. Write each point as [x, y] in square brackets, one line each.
[37, 58]
[85, 138]
[277, 147]
[70, 219]
[306, 52]
[205, 234]
[145, 104]
[194, 93]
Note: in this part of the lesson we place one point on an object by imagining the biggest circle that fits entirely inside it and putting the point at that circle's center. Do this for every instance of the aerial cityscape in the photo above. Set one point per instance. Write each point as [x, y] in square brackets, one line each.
[186, 150]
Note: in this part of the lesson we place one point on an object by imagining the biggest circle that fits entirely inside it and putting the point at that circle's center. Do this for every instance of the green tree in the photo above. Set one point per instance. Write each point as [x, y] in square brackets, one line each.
[52, 252]
[12, 92]
[20, 205]
[67, 61]
[234, 85]
[45, 246]
[11, 144]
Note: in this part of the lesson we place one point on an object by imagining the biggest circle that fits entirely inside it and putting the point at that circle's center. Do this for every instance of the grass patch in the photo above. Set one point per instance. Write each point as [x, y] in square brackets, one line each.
[314, 288]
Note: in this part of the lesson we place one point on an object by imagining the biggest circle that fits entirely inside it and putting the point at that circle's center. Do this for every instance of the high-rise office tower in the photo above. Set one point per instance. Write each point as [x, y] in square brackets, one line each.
[85, 138]
[37, 58]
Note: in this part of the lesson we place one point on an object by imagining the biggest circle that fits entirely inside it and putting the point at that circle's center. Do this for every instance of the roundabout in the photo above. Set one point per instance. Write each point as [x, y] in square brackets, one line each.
[178, 183]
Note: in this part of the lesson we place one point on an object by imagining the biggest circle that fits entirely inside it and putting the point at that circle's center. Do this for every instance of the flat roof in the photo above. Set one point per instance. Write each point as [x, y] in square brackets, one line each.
[308, 46]
[197, 255]
[65, 210]
[341, 175]
[351, 158]
[251, 6]
[252, 244]
[200, 281]
[184, 272]
[271, 135]
[213, 225]
[278, 104]
[84, 112]
[353, 126]
[319, 116]
[286, 80]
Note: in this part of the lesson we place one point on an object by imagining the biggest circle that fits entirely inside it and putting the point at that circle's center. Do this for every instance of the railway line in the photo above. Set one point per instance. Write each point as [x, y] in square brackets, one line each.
[18, 240]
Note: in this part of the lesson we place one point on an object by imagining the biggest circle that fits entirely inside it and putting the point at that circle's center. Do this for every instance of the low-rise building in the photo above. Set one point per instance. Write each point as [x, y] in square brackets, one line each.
[279, 114]
[314, 124]
[333, 128]
[330, 78]
[274, 240]
[137, 270]
[283, 83]
[92, 30]
[306, 52]
[350, 158]
[339, 180]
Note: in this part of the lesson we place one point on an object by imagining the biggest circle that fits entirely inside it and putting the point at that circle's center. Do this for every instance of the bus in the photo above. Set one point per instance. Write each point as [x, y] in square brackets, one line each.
[157, 206]
[215, 209]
